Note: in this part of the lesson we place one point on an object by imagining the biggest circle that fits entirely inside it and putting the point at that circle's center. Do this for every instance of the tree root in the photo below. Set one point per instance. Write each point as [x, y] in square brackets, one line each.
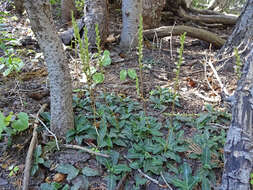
[191, 31]
[222, 19]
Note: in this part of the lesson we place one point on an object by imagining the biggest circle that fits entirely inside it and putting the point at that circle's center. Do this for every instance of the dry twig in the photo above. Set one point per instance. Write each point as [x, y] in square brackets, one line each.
[29, 155]
[85, 149]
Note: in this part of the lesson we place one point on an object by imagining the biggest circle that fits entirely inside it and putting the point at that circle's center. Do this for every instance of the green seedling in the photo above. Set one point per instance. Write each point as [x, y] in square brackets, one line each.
[13, 170]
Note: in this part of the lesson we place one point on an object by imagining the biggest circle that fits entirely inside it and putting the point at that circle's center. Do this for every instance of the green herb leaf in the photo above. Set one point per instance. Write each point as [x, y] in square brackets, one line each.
[132, 73]
[98, 78]
[123, 75]
[68, 169]
[22, 123]
[90, 172]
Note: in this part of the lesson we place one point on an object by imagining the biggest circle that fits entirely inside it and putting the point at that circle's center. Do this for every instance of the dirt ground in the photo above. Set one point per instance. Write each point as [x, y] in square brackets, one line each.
[29, 90]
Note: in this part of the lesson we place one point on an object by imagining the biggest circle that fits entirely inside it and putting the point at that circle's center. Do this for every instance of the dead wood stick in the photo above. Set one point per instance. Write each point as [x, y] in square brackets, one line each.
[198, 33]
[85, 149]
[29, 155]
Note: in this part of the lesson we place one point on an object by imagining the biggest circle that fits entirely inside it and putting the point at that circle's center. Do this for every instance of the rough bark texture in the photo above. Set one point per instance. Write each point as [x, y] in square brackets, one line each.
[191, 31]
[239, 145]
[131, 10]
[60, 81]
[19, 6]
[67, 7]
[96, 12]
[242, 33]
[152, 12]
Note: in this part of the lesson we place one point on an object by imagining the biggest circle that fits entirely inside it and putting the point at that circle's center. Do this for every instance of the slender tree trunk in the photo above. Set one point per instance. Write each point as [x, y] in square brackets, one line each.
[131, 11]
[173, 5]
[67, 7]
[19, 6]
[152, 13]
[60, 81]
[96, 12]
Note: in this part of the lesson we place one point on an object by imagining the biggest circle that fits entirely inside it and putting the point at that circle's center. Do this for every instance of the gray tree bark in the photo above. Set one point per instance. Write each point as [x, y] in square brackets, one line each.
[67, 7]
[60, 80]
[241, 36]
[131, 11]
[239, 145]
[96, 12]
[152, 13]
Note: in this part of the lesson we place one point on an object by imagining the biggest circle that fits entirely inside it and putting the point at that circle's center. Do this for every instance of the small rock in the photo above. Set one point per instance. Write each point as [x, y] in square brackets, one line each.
[81, 183]
[3, 182]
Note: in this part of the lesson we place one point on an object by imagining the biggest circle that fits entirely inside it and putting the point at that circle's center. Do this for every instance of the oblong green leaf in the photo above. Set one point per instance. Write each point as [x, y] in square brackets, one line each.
[132, 73]
[22, 123]
[123, 74]
[90, 172]
[98, 78]
[106, 60]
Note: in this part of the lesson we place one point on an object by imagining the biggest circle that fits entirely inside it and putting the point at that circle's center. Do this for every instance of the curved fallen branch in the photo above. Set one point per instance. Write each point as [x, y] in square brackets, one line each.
[191, 31]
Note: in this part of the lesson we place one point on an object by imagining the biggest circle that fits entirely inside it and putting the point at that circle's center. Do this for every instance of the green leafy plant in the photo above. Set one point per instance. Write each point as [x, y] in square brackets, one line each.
[9, 62]
[13, 170]
[37, 160]
[53, 186]
[13, 124]
[93, 77]
[68, 169]
[162, 97]
[113, 167]
[80, 5]
[121, 122]
[187, 182]
[54, 2]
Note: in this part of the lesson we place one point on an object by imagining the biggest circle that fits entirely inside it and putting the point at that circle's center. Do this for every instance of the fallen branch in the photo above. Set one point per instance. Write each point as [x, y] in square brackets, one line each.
[29, 155]
[191, 31]
[85, 149]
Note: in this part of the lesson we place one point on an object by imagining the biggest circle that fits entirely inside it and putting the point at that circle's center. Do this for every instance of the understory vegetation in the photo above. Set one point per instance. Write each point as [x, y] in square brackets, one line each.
[133, 139]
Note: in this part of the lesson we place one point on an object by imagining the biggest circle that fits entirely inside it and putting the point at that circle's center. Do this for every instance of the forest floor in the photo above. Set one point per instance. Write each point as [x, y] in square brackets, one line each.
[199, 112]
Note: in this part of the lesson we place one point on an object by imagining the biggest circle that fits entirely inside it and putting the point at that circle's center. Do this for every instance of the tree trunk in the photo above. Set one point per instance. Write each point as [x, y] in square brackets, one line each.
[96, 12]
[238, 149]
[174, 5]
[152, 13]
[60, 81]
[131, 11]
[67, 7]
[19, 6]
[241, 36]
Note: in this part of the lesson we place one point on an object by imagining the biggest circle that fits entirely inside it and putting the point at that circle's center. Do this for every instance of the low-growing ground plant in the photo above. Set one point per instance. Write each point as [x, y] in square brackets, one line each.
[12, 124]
